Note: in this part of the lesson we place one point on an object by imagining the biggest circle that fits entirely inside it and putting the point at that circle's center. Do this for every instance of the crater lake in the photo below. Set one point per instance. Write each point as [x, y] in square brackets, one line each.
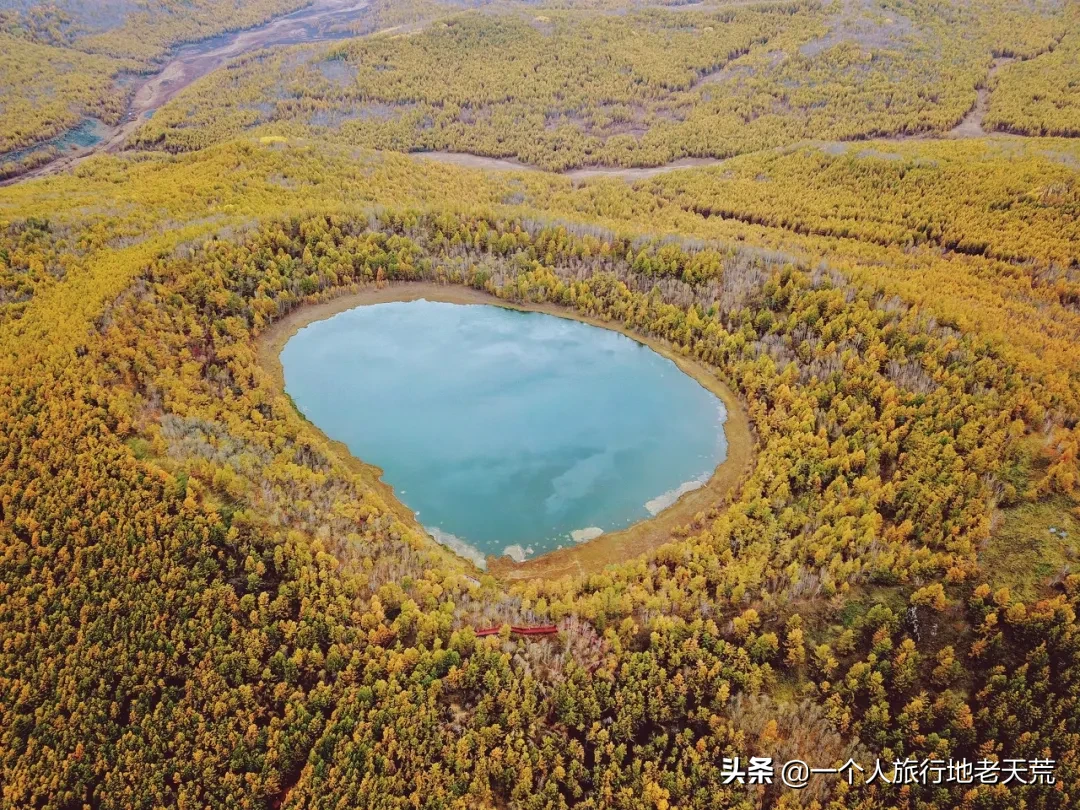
[506, 432]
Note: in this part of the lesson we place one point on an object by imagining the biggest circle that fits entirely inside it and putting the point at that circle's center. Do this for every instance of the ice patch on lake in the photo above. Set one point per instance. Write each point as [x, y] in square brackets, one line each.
[517, 553]
[584, 535]
[662, 502]
[458, 546]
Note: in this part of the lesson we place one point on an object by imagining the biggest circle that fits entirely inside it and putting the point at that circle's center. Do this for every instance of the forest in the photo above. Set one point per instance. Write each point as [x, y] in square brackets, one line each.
[205, 603]
[637, 89]
[61, 63]
[1038, 96]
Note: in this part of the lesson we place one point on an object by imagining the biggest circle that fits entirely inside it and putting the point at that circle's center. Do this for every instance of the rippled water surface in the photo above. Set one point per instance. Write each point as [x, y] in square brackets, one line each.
[507, 432]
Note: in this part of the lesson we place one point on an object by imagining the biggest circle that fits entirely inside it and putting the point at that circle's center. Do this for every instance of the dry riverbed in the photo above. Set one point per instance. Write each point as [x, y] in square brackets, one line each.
[322, 21]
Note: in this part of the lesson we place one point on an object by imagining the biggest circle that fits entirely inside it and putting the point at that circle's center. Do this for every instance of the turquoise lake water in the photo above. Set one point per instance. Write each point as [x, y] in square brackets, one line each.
[506, 432]
[87, 133]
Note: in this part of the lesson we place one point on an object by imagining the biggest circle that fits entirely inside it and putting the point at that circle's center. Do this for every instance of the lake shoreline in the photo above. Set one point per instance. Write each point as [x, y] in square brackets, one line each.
[587, 557]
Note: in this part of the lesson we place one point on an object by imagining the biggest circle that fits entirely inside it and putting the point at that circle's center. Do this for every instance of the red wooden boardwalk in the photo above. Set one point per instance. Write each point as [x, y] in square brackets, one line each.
[539, 630]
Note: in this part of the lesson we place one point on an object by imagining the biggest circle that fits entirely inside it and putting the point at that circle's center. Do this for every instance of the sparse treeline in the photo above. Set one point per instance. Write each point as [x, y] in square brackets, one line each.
[203, 606]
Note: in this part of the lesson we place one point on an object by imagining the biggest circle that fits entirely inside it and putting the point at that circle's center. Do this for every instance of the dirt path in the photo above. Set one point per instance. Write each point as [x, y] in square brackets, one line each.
[323, 21]
[470, 161]
[972, 124]
[970, 127]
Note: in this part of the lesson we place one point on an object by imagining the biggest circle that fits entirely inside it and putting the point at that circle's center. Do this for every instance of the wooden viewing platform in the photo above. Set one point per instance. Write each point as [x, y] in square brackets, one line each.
[538, 630]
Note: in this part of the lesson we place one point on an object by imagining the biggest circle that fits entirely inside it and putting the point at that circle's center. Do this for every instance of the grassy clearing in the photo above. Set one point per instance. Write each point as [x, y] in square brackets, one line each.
[1032, 547]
